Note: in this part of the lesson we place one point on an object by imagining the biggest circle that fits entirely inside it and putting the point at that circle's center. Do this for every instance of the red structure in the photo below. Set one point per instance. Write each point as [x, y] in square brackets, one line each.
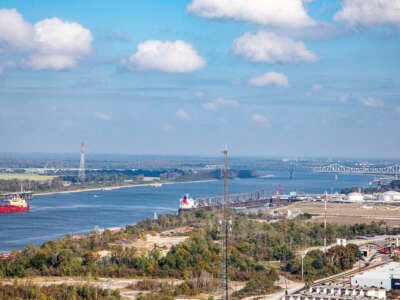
[14, 205]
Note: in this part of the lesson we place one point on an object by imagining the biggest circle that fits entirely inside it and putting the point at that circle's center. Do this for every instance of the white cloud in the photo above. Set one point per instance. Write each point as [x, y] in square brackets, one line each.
[50, 43]
[102, 116]
[288, 13]
[219, 102]
[182, 115]
[59, 44]
[50, 62]
[370, 12]
[56, 36]
[260, 120]
[268, 47]
[270, 78]
[172, 57]
[14, 31]
[372, 102]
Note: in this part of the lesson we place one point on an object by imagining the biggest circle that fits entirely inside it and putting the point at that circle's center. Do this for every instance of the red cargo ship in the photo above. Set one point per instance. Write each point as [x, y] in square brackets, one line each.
[14, 205]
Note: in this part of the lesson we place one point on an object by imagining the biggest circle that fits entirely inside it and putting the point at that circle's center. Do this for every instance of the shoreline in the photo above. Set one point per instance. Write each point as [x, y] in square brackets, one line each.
[117, 187]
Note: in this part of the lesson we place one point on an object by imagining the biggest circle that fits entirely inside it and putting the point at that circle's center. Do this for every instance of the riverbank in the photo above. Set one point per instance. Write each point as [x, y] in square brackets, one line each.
[117, 187]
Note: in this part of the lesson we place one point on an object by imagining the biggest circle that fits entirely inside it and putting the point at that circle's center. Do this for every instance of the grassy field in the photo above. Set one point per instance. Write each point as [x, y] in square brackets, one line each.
[350, 213]
[25, 176]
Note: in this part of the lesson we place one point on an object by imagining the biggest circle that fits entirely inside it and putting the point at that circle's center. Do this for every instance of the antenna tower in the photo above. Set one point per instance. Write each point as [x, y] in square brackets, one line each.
[81, 175]
[225, 229]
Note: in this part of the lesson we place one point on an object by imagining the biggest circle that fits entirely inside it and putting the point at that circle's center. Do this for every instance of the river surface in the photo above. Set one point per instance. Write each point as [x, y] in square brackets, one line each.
[53, 216]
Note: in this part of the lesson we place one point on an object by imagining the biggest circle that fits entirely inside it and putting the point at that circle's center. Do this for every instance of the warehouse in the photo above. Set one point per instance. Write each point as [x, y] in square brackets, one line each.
[387, 277]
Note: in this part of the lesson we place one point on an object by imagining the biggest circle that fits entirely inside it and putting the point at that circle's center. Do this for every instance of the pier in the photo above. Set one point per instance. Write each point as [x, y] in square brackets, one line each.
[253, 200]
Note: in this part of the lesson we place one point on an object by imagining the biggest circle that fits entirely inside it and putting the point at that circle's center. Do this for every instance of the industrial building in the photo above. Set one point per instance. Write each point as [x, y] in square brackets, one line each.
[389, 196]
[338, 292]
[355, 197]
[386, 276]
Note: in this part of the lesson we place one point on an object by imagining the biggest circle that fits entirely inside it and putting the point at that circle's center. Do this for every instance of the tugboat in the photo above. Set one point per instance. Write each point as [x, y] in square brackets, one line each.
[14, 205]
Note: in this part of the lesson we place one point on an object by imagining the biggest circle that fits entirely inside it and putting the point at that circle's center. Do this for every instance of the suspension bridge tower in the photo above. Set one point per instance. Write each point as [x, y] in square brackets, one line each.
[81, 174]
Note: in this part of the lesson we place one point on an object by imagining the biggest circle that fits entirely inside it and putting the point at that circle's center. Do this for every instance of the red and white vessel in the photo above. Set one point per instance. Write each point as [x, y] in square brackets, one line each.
[187, 203]
[14, 205]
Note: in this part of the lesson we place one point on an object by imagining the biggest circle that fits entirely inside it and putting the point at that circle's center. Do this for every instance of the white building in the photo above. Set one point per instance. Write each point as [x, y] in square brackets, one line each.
[390, 196]
[387, 277]
[338, 292]
[355, 197]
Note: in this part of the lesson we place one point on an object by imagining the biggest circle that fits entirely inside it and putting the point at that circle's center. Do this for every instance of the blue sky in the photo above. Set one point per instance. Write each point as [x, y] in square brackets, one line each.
[274, 78]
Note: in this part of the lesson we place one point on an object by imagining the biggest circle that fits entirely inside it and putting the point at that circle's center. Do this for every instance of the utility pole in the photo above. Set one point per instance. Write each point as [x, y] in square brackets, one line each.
[278, 196]
[326, 200]
[225, 229]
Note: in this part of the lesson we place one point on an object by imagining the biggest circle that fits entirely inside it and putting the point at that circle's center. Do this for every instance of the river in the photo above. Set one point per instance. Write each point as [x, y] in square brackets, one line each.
[53, 216]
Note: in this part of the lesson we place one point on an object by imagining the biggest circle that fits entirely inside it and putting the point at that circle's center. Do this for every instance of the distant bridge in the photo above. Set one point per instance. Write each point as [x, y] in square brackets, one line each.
[337, 168]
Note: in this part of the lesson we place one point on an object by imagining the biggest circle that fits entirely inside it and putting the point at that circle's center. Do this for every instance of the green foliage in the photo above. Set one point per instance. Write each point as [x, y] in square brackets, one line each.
[318, 264]
[260, 284]
[251, 249]
[59, 292]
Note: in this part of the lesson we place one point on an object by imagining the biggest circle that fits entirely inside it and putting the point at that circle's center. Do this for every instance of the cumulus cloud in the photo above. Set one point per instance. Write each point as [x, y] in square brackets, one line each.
[14, 31]
[288, 13]
[50, 62]
[182, 115]
[172, 57]
[270, 78]
[50, 43]
[218, 103]
[56, 36]
[102, 116]
[260, 120]
[268, 47]
[369, 13]
[372, 102]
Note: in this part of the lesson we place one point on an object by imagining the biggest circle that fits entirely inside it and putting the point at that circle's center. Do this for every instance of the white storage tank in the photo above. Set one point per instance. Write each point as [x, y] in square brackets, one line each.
[355, 197]
[390, 196]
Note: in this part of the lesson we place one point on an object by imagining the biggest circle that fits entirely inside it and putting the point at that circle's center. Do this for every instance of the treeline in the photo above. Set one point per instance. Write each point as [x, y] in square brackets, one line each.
[317, 264]
[14, 185]
[59, 292]
[67, 180]
[252, 245]
[394, 185]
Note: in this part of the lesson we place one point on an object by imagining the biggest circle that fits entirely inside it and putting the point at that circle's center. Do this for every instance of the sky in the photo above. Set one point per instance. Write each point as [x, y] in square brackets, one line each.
[287, 78]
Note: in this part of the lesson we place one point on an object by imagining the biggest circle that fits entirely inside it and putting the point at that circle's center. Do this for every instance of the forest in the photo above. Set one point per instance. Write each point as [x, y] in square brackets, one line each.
[252, 246]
